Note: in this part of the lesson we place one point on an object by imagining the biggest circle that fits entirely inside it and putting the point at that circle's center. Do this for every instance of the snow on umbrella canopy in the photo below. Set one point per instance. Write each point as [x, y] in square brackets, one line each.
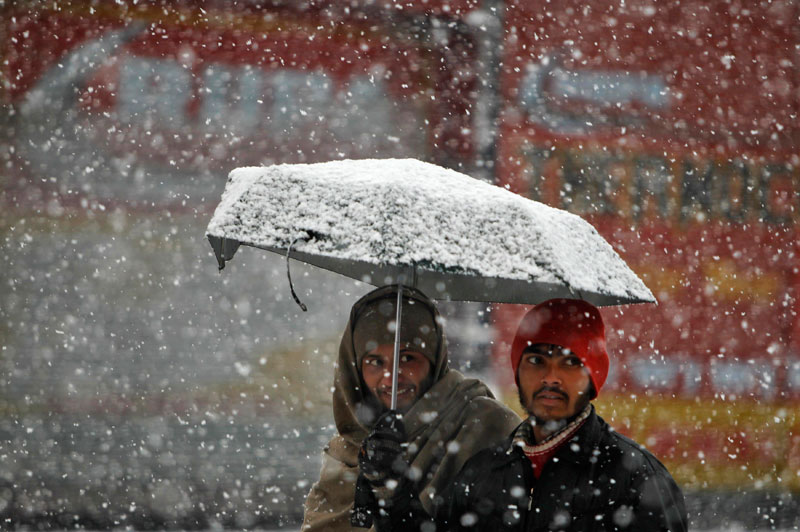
[406, 222]
[385, 221]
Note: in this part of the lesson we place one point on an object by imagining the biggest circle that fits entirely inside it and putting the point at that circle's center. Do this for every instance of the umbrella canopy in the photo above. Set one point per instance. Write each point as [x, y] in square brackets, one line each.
[385, 221]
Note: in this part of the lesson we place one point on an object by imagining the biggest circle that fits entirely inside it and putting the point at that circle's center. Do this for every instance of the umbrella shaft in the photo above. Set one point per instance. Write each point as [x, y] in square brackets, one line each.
[396, 361]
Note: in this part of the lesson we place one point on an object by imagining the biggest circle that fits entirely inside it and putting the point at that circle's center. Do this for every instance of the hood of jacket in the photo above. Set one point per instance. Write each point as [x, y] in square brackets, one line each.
[353, 406]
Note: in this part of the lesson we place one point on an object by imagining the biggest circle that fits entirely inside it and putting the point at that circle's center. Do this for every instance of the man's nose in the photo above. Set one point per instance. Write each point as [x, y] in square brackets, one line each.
[552, 376]
[387, 373]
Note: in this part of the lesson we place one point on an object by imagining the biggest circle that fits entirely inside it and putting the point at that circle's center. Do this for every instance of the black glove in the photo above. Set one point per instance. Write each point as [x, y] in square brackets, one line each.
[381, 455]
[379, 459]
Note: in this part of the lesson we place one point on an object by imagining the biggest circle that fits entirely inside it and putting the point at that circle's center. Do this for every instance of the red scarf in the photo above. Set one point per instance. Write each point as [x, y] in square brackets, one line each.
[540, 453]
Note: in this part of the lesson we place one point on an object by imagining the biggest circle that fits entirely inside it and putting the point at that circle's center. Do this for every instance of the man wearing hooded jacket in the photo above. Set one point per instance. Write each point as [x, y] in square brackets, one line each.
[563, 468]
[446, 418]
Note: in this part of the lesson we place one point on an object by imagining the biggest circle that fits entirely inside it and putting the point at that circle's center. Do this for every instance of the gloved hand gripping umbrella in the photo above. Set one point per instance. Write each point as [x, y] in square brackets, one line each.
[406, 222]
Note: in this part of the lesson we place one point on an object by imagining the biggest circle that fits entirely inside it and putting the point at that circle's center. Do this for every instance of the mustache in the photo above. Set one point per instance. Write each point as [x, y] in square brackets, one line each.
[388, 389]
[550, 389]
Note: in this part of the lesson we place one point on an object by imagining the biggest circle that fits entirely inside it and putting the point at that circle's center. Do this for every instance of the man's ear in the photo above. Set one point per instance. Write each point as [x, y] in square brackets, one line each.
[591, 390]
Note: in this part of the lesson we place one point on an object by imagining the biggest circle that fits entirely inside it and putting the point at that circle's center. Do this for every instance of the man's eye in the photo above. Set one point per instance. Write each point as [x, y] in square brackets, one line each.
[535, 360]
[573, 361]
[373, 362]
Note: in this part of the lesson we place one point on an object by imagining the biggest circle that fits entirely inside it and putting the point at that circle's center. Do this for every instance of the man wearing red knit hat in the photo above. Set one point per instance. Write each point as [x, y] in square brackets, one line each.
[563, 468]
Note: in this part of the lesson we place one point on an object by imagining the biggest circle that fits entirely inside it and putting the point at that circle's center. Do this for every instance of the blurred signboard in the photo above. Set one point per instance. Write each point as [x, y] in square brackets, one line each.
[155, 105]
[673, 128]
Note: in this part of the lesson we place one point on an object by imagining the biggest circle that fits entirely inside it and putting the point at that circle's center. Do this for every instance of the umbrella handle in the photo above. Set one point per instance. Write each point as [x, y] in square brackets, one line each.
[396, 361]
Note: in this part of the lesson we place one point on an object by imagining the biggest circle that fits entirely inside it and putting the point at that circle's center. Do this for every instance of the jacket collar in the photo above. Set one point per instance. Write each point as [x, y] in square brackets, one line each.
[587, 438]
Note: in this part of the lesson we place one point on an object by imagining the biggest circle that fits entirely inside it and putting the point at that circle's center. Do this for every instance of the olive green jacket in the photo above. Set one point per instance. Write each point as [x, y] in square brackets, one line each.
[453, 420]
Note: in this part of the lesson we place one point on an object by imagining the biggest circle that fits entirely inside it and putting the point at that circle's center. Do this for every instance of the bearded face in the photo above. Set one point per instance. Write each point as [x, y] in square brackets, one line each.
[553, 383]
[413, 376]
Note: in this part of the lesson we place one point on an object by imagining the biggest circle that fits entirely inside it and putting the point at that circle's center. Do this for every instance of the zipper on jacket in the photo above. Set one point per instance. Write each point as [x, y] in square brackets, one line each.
[530, 480]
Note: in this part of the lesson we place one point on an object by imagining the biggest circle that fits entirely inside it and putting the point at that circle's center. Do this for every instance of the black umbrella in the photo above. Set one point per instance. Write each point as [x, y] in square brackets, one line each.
[406, 222]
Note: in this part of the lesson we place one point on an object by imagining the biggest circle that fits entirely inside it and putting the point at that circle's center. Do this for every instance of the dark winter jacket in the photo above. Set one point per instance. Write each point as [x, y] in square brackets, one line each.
[597, 481]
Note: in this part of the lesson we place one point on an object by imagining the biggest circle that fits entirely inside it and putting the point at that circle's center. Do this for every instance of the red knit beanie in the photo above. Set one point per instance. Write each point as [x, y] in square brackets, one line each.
[570, 323]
